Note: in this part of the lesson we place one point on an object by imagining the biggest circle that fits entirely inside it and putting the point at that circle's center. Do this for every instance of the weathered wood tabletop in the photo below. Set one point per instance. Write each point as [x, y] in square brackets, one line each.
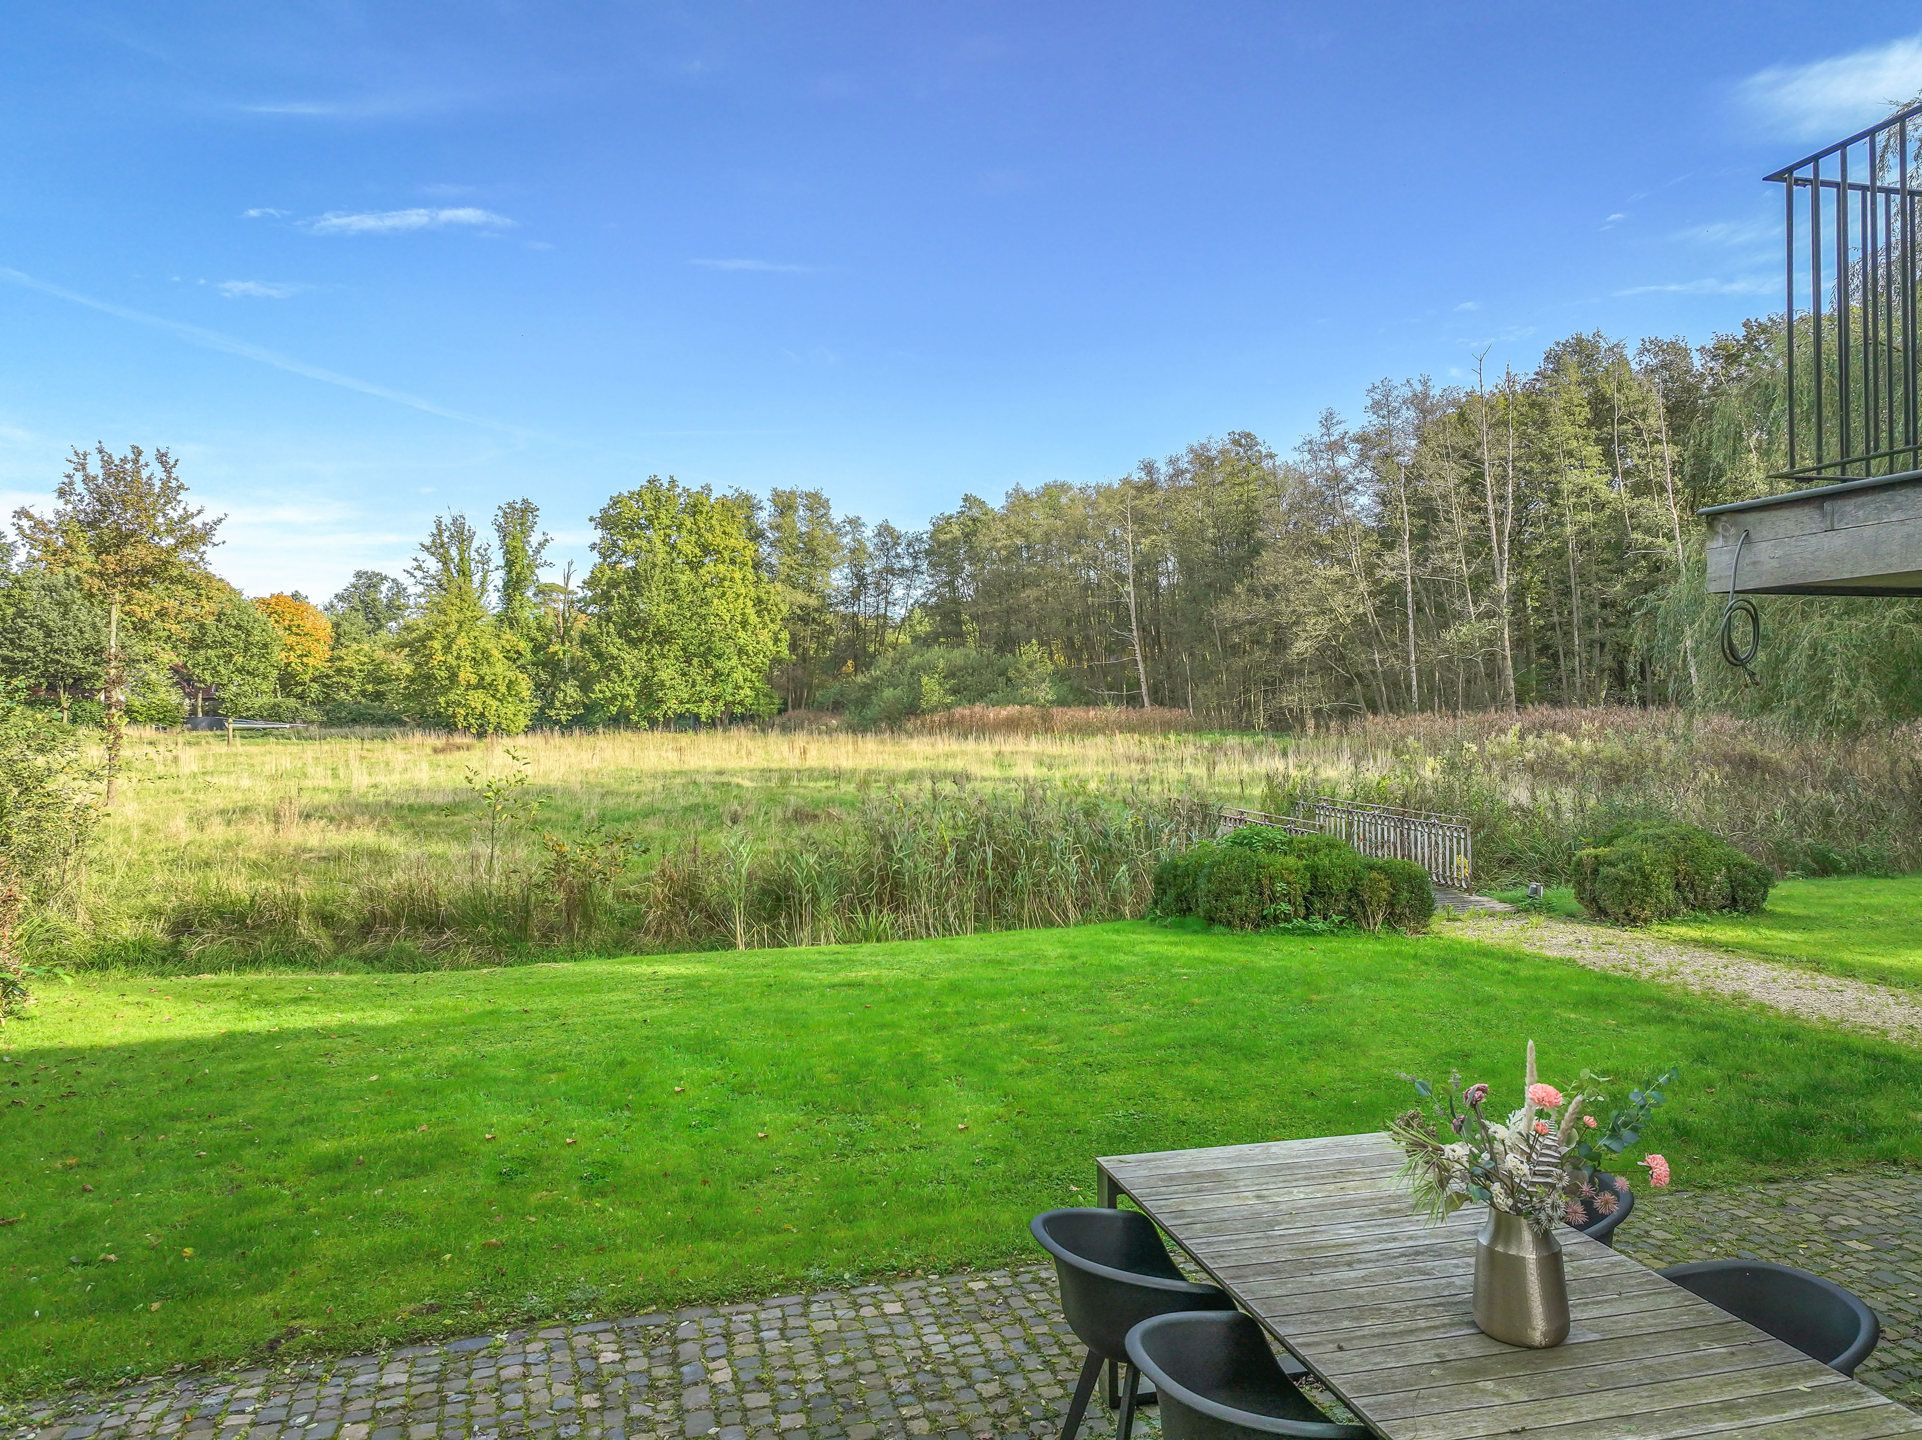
[1320, 1241]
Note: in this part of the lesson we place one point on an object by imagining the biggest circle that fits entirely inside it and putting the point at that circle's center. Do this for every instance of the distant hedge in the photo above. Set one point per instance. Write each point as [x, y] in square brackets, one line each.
[1653, 872]
[1257, 878]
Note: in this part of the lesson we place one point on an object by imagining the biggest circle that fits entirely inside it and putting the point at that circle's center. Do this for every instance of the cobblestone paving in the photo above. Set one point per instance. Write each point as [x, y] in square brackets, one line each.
[981, 1355]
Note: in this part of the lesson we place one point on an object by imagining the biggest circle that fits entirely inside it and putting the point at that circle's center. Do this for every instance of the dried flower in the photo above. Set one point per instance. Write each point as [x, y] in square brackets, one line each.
[1524, 1162]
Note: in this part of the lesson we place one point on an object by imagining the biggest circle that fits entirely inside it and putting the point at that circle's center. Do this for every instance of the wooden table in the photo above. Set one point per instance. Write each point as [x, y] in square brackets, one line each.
[1320, 1241]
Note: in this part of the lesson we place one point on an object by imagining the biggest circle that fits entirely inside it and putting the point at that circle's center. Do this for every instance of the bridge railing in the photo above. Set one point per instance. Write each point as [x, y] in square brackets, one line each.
[1443, 845]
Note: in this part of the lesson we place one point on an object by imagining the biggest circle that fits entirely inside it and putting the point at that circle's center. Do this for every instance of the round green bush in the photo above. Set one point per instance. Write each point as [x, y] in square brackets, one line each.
[1258, 876]
[1228, 891]
[1410, 894]
[1656, 871]
[1177, 877]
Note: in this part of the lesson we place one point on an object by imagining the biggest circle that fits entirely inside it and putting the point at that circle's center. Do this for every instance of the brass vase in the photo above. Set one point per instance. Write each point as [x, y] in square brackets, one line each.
[1521, 1290]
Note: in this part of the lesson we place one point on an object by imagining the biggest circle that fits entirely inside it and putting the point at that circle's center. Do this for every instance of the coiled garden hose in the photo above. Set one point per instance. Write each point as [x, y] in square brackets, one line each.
[1740, 653]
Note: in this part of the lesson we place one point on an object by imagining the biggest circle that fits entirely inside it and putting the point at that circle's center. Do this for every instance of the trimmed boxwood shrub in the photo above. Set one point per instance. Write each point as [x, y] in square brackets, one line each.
[1331, 869]
[1177, 880]
[1653, 872]
[1257, 877]
[1410, 893]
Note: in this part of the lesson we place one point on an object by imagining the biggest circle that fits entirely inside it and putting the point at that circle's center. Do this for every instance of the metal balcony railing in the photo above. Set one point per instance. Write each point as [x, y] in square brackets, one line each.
[1852, 281]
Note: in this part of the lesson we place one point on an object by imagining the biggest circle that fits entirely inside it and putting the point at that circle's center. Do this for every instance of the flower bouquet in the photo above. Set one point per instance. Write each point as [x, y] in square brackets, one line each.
[1534, 1168]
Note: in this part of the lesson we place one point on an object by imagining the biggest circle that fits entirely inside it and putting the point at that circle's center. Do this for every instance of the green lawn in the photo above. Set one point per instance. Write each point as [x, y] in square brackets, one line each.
[212, 1168]
[1861, 926]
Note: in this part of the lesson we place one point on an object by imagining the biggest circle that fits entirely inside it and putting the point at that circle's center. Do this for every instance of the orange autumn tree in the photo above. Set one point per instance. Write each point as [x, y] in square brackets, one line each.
[306, 641]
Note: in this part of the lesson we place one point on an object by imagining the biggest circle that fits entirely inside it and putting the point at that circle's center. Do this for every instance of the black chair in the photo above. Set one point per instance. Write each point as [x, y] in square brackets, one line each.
[1816, 1316]
[1114, 1273]
[1218, 1380]
[1596, 1224]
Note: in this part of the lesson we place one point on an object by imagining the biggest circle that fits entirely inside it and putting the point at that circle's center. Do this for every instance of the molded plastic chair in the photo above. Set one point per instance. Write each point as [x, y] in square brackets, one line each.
[1218, 1380]
[1114, 1273]
[1598, 1226]
[1816, 1316]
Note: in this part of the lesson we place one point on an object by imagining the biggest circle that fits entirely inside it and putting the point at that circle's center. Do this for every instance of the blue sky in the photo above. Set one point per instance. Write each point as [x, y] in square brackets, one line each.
[361, 262]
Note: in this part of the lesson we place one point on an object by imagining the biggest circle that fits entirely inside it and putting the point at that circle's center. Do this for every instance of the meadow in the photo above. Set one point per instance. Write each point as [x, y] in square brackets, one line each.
[244, 1166]
[418, 851]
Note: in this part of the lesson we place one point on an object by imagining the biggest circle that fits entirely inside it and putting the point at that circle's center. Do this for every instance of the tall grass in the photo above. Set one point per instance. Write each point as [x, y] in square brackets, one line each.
[374, 851]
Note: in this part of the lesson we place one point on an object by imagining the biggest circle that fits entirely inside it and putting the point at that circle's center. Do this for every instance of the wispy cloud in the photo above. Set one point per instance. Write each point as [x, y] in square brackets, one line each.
[763, 267]
[1736, 233]
[1708, 286]
[1468, 305]
[263, 212]
[259, 355]
[399, 222]
[259, 289]
[1826, 99]
[390, 105]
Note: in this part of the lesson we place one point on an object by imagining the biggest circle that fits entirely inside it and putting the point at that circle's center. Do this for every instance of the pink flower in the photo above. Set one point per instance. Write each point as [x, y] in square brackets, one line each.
[1657, 1171]
[1546, 1096]
[1474, 1095]
[1574, 1214]
[1589, 1121]
[1541, 1127]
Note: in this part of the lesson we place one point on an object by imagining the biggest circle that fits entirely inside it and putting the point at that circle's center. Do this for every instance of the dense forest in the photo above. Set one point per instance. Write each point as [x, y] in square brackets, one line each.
[1516, 540]
[1519, 540]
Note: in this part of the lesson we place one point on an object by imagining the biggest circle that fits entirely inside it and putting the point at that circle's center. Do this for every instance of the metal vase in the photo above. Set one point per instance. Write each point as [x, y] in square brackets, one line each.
[1521, 1290]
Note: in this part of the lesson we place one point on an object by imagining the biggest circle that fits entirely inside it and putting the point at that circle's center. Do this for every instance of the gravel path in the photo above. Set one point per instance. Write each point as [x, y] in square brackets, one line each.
[1809, 994]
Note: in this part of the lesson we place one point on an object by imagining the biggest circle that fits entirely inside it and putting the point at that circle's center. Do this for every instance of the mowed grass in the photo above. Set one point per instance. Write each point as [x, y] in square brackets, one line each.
[1869, 928]
[208, 1169]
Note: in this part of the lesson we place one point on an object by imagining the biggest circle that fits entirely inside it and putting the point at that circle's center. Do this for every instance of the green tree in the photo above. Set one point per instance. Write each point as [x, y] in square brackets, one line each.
[367, 607]
[124, 527]
[53, 635]
[234, 652]
[462, 670]
[560, 660]
[522, 549]
[804, 546]
[682, 620]
[367, 684]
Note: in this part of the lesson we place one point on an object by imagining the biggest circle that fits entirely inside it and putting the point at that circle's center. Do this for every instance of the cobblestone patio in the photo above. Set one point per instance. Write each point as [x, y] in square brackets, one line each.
[981, 1355]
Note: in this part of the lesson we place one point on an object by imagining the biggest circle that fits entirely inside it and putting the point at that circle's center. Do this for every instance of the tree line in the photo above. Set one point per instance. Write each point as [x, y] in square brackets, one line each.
[1507, 540]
